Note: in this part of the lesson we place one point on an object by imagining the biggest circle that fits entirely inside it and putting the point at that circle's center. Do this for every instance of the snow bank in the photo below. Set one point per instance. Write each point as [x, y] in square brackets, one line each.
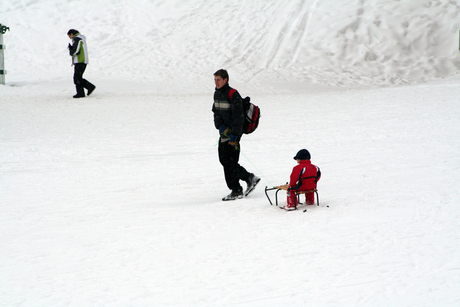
[336, 43]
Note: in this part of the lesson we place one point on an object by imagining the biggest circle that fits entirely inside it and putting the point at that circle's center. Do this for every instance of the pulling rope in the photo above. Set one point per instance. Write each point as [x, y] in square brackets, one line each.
[257, 169]
[251, 163]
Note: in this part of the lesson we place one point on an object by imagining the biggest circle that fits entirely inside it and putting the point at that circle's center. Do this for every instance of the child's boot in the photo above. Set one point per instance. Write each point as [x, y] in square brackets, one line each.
[288, 208]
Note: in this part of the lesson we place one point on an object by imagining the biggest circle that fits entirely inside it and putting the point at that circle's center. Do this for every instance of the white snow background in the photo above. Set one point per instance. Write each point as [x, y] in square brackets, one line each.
[115, 199]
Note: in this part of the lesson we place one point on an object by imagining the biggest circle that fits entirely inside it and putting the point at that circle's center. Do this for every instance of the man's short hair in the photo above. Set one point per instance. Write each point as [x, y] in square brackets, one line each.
[72, 31]
[222, 73]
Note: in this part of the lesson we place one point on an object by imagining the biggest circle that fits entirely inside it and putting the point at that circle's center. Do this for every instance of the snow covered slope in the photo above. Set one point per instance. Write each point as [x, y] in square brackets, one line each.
[329, 42]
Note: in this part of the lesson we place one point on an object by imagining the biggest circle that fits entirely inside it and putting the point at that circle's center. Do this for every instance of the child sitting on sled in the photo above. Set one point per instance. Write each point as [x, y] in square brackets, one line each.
[303, 178]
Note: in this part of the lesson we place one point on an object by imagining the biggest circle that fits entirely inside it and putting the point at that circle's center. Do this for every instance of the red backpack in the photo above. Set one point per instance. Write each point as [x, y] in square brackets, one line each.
[251, 120]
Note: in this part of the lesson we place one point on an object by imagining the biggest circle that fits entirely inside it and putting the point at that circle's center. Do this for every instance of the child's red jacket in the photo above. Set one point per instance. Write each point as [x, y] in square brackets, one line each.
[303, 170]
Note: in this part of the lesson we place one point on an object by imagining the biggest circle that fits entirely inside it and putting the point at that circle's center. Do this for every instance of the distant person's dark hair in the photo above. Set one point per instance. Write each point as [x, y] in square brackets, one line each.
[72, 31]
[222, 73]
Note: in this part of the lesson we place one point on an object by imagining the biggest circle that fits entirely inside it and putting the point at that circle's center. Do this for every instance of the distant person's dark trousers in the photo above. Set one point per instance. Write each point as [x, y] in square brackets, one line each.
[80, 83]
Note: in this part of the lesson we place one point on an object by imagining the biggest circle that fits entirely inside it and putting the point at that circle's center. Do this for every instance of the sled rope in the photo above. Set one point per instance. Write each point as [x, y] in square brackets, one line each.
[257, 169]
[251, 163]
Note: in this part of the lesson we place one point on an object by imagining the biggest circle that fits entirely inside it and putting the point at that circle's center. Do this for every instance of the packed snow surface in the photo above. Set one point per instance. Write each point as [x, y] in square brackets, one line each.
[115, 199]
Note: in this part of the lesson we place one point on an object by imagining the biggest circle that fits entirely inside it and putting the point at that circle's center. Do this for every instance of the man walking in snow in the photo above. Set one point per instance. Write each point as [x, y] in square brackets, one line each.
[79, 53]
[229, 118]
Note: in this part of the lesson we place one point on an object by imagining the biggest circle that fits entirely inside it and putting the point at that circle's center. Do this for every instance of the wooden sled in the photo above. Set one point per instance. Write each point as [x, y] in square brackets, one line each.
[285, 187]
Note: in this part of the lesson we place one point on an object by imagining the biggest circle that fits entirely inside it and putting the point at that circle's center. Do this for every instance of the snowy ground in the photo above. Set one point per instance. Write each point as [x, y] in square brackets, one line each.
[115, 199]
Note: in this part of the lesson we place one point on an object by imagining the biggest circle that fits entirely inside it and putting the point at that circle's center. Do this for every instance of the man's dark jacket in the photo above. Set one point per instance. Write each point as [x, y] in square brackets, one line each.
[228, 111]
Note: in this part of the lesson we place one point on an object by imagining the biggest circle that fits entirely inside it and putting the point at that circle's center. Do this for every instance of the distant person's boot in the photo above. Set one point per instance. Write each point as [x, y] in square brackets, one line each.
[91, 88]
[80, 92]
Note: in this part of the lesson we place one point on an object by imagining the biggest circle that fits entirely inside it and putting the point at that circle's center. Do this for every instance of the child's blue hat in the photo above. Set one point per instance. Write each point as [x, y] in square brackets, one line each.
[302, 154]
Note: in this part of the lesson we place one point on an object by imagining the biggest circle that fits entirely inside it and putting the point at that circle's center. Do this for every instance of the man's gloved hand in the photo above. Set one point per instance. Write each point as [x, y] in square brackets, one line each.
[69, 46]
[225, 131]
[234, 142]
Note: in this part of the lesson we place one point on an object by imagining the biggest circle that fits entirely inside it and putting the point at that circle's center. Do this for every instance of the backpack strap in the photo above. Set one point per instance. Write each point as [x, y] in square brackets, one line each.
[230, 93]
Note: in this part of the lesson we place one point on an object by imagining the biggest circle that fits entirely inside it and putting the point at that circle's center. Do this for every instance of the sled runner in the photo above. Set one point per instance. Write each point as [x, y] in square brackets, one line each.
[285, 187]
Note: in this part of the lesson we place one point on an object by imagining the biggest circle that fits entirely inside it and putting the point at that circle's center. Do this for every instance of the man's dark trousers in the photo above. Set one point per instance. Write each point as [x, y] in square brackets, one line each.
[233, 171]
